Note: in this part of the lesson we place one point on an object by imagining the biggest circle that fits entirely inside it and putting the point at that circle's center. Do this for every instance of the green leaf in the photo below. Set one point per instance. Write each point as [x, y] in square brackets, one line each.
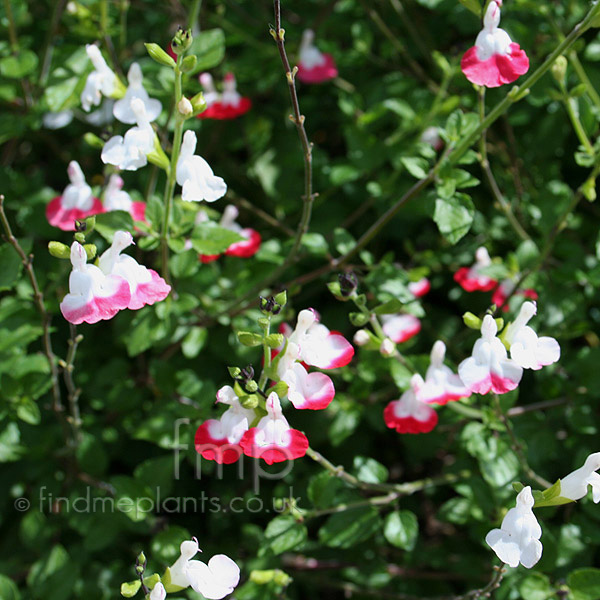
[209, 47]
[283, 533]
[536, 586]
[209, 238]
[584, 584]
[8, 589]
[400, 374]
[194, 341]
[401, 529]
[107, 224]
[10, 267]
[130, 588]
[369, 470]
[348, 528]
[28, 411]
[249, 339]
[10, 449]
[454, 216]
[315, 243]
[390, 307]
[17, 67]
[416, 166]
[473, 5]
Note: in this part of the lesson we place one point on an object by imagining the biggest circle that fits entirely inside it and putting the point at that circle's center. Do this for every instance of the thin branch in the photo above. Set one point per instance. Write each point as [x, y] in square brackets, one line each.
[73, 391]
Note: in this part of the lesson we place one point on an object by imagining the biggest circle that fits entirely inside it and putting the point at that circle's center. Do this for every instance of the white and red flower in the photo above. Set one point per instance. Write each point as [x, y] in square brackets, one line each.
[494, 59]
[242, 249]
[441, 385]
[409, 414]
[314, 66]
[116, 198]
[93, 296]
[505, 289]
[218, 439]
[146, 285]
[526, 348]
[194, 175]
[100, 82]
[273, 439]
[214, 580]
[489, 368]
[229, 105]
[400, 328]
[471, 279]
[419, 288]
[122, 108]
[76, 202]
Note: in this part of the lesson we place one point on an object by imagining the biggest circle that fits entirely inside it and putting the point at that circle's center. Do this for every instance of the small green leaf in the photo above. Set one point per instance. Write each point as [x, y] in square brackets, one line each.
[107, 224]
[17, 67]
[130, 588]
[473, 5]
[416, 166]
[454, 216]
[283, 533]
[249, 339]
[209, 238]
[584, 584]
[401, 529]
[209, 48]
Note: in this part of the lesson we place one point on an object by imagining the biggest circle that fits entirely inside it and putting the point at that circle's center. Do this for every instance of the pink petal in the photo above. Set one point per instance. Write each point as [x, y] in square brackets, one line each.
[248, 247]
[153, 291]
[217, 449]
[320, 73]
[65, 218]
[221, 112]
[296, 448]
[496, 70]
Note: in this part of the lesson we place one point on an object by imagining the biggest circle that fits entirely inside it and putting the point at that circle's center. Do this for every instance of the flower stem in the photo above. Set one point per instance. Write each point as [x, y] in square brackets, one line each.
[262, 382]
[572, 111]
[73, 391]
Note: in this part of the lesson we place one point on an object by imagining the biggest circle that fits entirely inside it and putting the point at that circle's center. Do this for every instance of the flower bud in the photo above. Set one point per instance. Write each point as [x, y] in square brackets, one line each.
[90, 251]
[199, 103]
[472, 321]
[387, 347]
[251, 386]
[59, 250]
[250, 402]
[159, 55]
[189, 63]
[361, 337]
[348, 283]
[181, 41]
[185, 108]
[559, 69]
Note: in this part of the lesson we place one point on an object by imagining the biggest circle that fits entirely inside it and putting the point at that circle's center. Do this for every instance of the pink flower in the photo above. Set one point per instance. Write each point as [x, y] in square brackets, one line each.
[409, 414]
[419, 288]
[229, 105]
[146, 286]
[93, 296]
[273, 439]
[76, 202]
[489, 368]
[313, 65]
[471, 279]
[218, 439]
[116, 198]
[505, 289]
[494, 59]
[441, 385]
[400, 328]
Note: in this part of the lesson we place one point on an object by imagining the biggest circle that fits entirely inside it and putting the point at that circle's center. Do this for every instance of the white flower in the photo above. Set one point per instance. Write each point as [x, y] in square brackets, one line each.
[158, 592]
[236, 420]
[214, 580]
[208, 89]
[115, 198]
[101, 81]
[130, 152]
[78, 194]
[230, 94]
[526, 348]
[57, 120]
[195, 176]
[575, 485]
[387, 347]
[518, 539]
[491, 39]
[310, 55]
[122, 109]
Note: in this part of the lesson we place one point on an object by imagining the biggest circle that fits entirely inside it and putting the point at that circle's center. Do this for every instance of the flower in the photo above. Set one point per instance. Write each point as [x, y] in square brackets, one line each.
[518, 539]
[214, 580]
[57, 120]
[76, 202]
[131, 152]
[314, 391]
[313, 65]
[400, 328]
[195, 176]
[158, 592]
[575, 485]
[101, 81]
[505, 289]
[146, 285]
[229, 105]
[441, 385]
[471, 279]
[419, 288]
[115, 198]
[526, 348]
[218, 439]
[273, 439]
[243, 249]
[93, 295]
[409, 414]
[122, 108]
[489, 368]
[361, 337]
[318, 346]
[494, 59]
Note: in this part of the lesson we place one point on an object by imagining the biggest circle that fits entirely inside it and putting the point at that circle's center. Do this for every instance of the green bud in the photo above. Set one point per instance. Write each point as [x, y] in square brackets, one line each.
[358, 319]
[181, 41]
[499, 323]
[588, 189]
[472, 321]
[90, 250]
[198, 103]
[334, 288]
[159, 55]
[559, 70]
[262, 577]
[274, 340]
[251, 386]
[234, 372]
[280, 388]
[281, 298]
[189, 63]
[249, 339]
[263, 322]
[90, 224]
[250, 402]
[59, 250]
[79, 237]
[151, 581]
[141, 558]
[185, 108]
[91, 139]
[281, 578]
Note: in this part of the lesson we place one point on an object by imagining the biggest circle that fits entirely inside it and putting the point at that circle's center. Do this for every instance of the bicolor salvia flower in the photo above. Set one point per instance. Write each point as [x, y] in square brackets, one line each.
[575, 485]
[243, 249]
[400, 328]
[314, 66]
[122, 108]
[76, 201]
[214, 580]
[130, 152]
[93, 295]
[218, 439]
[116, 198]
[419, 288]
[526, 348]
[505, 289]
[146, 285]
[194, 175]
[494, 59]
[273, 439]
[471, 279]
[441, 385]
[158, 592]
[228, 105]
[518, 539]
[100, 82]
[409, 414]
[489, 368]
